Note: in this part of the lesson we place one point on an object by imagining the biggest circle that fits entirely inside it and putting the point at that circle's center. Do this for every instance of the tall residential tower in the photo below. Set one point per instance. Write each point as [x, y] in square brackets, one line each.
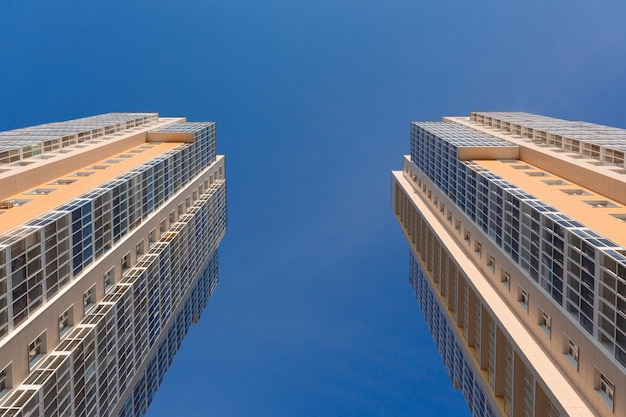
[109, 228]
[517, 229]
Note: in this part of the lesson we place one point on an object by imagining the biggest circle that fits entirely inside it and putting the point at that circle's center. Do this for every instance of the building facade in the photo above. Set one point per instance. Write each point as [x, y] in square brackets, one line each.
[109, 229]
[517, 229]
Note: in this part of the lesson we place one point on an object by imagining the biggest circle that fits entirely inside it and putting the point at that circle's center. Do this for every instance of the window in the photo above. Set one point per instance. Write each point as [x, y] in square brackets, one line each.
[544, 321]
[109, 279]
[450, 216]
[467, 237]
[36, 350]
[89, 298]
[604, 387]
[570, 350]
[522, 297]
[442, 208]
[600, 203]
[181, 209]
[139, 249]
[491, 263]
[125, 262]
[40, 191]
[430, 194]
[478, 248]
[162, 227]
[172, 217]
[457, 226]
[152, 238]
[62, 182]
[5, 380]
[65, 322]
[574, 191]
[505, 278]
[555, 182]
[82, 174]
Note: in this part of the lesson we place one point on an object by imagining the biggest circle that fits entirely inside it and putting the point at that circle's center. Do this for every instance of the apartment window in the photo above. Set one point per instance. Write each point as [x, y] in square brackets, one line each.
[40, 191]
[162, 227]
[457, 226]
[181, 209]
[125, 262]
[436, 201]
[505, 278]
[600, 203]
[173, 217]
[442, 208]
[152, 238]
[430, 194]
[491, 263]
[555, 182]
[139, 249]
[522, 297]
[5, 380]
[536, 174]
[570, 349]
[575, 191]
[478, 248]
[89, 298]
[544, 321]
[36, 350]
[62, 182]
[65, 322]
[194, 195]
[467, 237]
[109, 279]
[604, 387]
[450, 216]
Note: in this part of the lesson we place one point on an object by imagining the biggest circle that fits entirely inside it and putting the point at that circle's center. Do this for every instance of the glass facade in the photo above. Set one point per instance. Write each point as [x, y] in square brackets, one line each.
[112, 361]
[572, 263]
[459, 369]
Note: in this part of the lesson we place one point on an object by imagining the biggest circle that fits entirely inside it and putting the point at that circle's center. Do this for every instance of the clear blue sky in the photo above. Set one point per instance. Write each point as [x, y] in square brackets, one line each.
[313, 315]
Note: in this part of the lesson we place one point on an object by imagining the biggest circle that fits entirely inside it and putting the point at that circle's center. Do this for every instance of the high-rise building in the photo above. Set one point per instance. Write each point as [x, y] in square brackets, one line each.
[109, 228]
[517, 231]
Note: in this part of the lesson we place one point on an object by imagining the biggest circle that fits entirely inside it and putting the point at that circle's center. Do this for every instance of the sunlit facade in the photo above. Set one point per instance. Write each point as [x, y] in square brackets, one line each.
[517, 229]
[109, 230]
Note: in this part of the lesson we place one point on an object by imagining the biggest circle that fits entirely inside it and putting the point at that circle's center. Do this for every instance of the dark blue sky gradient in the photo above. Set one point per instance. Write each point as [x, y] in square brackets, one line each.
[313, 315]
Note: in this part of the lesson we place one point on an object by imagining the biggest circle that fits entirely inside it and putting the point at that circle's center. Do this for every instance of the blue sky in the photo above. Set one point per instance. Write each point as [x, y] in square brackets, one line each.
[313, 315]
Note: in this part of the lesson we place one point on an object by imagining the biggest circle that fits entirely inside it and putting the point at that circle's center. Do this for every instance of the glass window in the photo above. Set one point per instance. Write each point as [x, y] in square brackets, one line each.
[109, 279]
[139, 249]
[505, 278]
[89, 298]
[125, 262]
[163, 227]
[570, 350]
[65, 322]
[36, 350]
[522, 297]
[5, 381]
[544, 321]
[491, 263]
